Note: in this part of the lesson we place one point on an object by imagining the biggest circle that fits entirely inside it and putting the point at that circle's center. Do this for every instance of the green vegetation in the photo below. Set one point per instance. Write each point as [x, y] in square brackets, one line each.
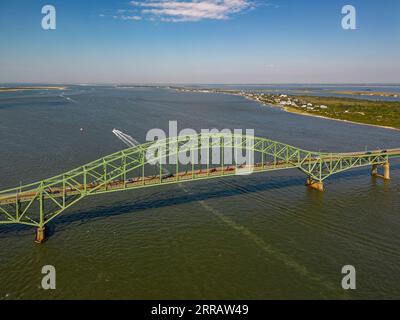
[382, 113]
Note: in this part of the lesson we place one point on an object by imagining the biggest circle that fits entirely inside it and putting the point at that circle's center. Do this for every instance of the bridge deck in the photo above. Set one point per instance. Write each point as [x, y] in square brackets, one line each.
[133, 183]
[139, 182]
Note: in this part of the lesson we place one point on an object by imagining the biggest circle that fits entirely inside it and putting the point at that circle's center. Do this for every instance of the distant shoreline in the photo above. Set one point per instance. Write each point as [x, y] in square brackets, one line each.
[335, 119]
[15, 89]
[298, 112]
[287, 108]
[369, 93]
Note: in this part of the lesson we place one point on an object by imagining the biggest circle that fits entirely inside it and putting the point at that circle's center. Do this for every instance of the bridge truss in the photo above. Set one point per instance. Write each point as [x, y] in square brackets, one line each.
[150, 165]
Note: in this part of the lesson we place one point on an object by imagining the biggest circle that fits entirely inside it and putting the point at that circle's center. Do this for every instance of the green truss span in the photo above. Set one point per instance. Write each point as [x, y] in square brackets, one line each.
[38, 203]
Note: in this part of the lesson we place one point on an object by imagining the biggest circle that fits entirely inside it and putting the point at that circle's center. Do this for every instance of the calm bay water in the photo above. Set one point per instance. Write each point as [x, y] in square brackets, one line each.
[265, 236]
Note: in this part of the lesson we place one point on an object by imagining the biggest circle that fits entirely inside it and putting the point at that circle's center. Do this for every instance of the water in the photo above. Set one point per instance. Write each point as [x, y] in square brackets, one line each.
[265, 236]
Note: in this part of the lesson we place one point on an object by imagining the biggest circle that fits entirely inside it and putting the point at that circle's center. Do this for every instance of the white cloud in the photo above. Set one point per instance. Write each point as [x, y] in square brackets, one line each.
[124, 17]
[191, 10]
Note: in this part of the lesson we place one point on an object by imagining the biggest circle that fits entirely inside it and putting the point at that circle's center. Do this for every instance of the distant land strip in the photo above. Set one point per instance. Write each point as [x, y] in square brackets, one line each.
[370, 93]
[384, 114]
[14, 89]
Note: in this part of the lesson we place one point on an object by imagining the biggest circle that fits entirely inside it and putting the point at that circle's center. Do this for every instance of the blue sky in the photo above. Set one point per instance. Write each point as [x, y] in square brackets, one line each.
[200, 41]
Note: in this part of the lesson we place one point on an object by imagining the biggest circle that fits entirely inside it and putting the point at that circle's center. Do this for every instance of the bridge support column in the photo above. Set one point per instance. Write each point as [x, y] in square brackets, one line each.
[317, 185]
[374, 170]
[386, 171]
[40, 235]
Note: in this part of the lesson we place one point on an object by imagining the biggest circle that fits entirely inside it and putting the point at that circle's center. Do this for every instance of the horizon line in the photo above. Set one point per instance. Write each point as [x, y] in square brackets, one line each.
[197, 83]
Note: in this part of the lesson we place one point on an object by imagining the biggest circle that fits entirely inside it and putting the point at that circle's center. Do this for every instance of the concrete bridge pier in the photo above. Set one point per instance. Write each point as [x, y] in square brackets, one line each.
[374, 170]
[313, 184]
[386, 171]
[40, 235]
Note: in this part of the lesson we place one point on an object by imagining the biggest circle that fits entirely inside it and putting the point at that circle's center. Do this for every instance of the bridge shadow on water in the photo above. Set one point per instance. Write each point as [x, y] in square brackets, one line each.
[220, 191]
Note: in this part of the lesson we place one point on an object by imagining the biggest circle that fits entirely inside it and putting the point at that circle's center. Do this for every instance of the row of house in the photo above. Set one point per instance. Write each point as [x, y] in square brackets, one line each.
[284, 100]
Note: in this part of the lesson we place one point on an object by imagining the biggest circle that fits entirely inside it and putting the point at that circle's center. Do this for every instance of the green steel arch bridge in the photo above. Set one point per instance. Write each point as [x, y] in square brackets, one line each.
[38, 203]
